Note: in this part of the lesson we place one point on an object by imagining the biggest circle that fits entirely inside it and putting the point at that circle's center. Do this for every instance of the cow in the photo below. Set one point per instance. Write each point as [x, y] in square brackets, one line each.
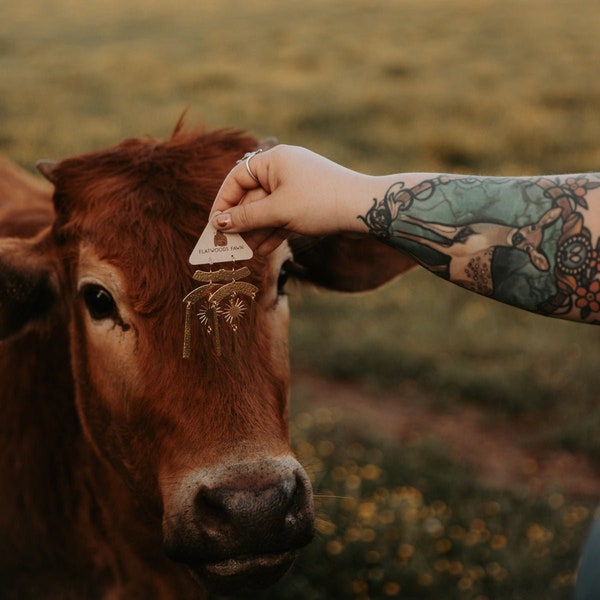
[128, 471]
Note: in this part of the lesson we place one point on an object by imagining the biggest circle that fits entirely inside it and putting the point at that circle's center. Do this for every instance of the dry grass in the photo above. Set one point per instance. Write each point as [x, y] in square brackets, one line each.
[497, 86]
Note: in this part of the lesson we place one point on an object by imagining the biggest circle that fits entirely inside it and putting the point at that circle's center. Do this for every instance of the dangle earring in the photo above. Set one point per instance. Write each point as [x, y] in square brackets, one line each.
[222, 286]
[239, 297]
[206, 315]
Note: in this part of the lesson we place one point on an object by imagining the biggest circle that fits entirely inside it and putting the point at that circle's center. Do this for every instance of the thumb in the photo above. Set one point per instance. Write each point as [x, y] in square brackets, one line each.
[246, 217]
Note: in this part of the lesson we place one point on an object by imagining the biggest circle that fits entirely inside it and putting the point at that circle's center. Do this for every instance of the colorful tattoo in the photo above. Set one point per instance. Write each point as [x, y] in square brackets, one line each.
[521, 241]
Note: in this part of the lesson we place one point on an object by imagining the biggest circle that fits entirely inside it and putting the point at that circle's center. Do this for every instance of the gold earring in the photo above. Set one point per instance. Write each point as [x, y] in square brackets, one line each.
[220, 286]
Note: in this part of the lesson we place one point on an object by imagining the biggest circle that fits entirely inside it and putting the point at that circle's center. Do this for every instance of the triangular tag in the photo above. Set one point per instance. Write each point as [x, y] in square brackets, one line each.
[215, 246]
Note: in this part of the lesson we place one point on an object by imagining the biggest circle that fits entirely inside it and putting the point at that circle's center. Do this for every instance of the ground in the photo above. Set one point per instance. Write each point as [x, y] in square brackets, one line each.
[500, 451]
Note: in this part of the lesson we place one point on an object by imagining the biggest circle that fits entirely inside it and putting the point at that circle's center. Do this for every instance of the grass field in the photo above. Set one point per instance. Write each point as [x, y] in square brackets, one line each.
[472, 86]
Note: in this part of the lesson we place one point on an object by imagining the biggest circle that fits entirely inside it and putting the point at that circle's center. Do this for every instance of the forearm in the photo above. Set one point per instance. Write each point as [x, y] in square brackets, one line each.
[530, 242]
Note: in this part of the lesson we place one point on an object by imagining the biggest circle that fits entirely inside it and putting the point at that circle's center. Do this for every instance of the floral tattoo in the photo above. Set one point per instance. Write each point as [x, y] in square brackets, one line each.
[535, 253]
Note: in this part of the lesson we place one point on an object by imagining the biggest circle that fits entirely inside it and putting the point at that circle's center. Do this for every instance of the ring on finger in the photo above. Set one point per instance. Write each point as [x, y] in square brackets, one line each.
[246, 160]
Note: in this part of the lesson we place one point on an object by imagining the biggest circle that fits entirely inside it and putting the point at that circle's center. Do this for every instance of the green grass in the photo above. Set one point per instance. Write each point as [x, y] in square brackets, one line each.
[486, 86]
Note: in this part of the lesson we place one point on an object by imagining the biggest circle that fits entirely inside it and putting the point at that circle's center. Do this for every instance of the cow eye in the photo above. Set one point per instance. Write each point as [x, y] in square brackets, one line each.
[289, 269]
[99, 302]
[282, 279]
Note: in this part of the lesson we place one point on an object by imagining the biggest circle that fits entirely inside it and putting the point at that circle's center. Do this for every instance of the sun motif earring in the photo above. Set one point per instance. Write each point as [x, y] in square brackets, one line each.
[222, 297]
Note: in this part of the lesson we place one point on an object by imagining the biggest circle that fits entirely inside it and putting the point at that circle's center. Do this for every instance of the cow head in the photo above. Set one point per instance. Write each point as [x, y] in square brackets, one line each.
[202, 443]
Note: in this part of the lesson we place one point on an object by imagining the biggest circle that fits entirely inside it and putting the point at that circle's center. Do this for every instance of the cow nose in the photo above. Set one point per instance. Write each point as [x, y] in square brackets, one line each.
[272, 516]
[239, 524]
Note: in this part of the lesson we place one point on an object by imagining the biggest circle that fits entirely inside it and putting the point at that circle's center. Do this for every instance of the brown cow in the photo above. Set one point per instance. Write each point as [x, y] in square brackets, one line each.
[124, 467]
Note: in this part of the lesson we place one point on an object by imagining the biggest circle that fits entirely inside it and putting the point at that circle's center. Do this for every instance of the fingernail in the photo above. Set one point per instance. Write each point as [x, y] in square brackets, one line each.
[223, 221]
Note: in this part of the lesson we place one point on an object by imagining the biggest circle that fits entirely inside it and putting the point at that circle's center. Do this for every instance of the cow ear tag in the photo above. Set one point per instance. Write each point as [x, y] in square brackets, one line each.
[222, 297]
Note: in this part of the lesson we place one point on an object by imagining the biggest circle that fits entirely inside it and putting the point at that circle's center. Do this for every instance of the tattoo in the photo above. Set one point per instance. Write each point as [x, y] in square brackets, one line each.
[535, 252]
[383, 212]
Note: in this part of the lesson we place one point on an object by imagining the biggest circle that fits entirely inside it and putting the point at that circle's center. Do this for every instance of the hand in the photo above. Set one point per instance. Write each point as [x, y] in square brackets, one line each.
[297, 191]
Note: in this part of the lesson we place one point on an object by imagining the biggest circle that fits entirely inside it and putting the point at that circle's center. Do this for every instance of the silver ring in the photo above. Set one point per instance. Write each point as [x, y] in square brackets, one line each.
[246, 160]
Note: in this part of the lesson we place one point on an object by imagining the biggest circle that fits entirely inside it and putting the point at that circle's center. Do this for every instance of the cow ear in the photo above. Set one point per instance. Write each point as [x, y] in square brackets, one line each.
[348, 263]
[28, 290]
[46, 168]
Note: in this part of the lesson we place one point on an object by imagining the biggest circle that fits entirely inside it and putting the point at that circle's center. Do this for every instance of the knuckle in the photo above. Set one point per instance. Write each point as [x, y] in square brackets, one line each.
[243, 218]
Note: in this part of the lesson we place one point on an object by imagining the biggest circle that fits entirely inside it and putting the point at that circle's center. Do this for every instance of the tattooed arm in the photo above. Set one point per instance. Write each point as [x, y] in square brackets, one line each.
[532, 242]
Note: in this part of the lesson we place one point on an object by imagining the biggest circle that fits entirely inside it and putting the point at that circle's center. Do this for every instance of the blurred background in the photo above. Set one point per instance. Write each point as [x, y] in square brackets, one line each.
[453, 442]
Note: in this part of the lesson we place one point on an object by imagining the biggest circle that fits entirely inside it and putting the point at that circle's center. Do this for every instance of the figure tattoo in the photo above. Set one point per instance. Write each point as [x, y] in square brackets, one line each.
[521, 241]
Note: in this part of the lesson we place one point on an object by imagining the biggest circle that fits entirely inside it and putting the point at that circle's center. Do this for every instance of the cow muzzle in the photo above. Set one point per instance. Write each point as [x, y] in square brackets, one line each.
[239, 525]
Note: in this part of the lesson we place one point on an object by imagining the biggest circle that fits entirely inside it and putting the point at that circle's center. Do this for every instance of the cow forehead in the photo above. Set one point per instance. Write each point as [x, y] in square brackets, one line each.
[134, 295]
[150, 253]
[151, 279]
[142, 204]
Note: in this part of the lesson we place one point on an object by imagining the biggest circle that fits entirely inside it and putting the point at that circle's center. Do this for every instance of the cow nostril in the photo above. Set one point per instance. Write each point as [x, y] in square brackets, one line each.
[299, 516]
[297, 502]
[214, 505]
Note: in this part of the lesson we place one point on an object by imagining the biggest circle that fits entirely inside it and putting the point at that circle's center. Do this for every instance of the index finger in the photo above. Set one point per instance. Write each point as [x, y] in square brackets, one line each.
[234, 187]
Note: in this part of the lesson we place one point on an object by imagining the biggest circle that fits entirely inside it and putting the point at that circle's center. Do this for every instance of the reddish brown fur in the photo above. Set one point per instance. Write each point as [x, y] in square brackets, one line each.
[163, 205]
[49, 533]
[53, 535]
[113, 446]
[164, 191]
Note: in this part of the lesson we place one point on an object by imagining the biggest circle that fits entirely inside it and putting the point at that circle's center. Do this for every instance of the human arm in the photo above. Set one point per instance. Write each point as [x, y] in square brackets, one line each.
[528, 241]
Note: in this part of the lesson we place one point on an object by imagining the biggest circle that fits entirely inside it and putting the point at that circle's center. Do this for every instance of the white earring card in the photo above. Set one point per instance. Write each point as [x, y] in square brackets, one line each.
[215, 246]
